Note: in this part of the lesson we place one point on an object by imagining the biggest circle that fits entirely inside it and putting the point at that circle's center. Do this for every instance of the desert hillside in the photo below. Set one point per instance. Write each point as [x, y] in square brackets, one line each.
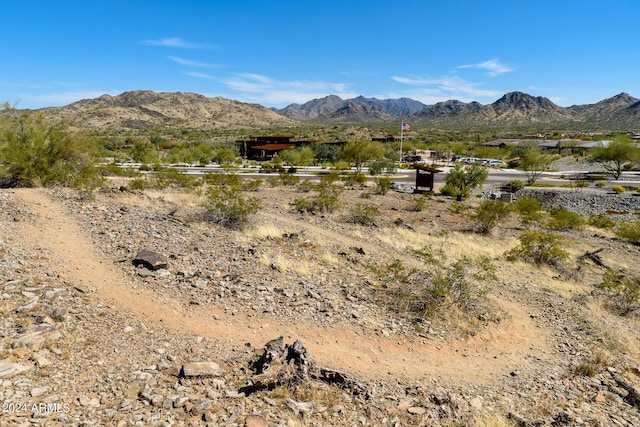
[89, 338]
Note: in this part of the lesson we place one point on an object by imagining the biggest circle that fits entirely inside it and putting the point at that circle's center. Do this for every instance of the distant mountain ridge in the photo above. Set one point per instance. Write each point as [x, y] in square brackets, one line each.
[327, 108]
[512, 109]
[145, 109]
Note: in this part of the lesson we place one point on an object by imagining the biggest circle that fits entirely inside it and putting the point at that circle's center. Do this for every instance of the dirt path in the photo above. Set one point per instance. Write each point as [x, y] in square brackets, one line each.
[488, 356]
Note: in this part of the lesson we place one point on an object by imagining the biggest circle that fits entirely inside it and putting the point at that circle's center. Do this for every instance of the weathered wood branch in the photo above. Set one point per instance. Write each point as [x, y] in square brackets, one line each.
[282, 364]
[633, 396]
[593, 256]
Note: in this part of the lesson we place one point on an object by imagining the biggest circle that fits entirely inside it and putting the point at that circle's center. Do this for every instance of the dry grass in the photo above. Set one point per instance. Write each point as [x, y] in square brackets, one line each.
[621, 335]
[283, 263]
[491, 420]
[264, 230]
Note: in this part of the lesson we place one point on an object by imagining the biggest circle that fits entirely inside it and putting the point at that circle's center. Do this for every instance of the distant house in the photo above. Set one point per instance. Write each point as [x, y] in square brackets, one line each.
[266, 147]
[501, 143]
[391, 138]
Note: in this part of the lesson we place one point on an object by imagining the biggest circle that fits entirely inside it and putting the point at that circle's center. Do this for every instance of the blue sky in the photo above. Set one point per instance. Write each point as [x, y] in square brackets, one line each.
[278, 52]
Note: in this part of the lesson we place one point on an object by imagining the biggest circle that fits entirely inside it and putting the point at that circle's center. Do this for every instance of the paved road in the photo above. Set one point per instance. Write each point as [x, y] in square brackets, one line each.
[404, 176]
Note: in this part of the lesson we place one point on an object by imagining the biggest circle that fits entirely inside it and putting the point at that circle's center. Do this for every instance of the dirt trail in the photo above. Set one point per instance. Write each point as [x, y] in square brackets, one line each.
[489, 355]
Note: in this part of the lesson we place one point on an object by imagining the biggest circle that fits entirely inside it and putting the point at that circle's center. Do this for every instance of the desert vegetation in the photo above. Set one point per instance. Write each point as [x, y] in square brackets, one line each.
[428, 309]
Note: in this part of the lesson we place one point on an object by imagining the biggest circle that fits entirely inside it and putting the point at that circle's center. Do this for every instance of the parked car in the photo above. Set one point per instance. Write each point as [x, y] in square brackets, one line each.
[493, 163]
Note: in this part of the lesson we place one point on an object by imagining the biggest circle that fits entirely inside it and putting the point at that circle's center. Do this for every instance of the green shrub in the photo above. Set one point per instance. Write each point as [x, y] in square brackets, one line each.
[601, 221]
[489, 214]
[600, 183]
[113, 169]
[363, 215]
[618, 189]
[289, 179]
[563, 219]
[514, 185]
[141, 183]
[443, 284]
[341, 166]
[630, 231]
[274, 181]
[354, 178]
[223, 179]
[38, 151]
[306, 186]
[383, 184]
[417, 204]
[330, 178]
[462, 180]
[529, 209]
[325, 201]
[227, 206]
[169, 177]
[539, 248]
[623, 292]
[382, 166]
[252, 184]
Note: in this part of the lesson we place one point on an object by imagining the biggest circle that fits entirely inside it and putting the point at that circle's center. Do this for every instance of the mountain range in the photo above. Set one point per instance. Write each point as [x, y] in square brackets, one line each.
[149, 110]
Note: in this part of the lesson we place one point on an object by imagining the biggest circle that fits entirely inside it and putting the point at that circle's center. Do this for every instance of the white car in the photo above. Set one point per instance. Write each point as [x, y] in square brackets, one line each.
[493, 163]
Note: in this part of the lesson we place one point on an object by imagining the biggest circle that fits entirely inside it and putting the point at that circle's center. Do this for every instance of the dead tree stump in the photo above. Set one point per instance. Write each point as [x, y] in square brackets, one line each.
[283, 364]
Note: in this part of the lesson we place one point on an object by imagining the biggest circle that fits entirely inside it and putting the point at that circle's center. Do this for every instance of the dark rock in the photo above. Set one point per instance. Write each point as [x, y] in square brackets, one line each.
[151, 260]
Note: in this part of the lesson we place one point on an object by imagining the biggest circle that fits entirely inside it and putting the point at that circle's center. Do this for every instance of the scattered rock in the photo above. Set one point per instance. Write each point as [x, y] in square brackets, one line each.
[9, 369]
[150, 260]
[201, 369]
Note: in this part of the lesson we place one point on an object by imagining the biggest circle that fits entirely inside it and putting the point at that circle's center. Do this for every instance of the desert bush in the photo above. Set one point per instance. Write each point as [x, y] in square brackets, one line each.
[274, 181]
[417, 204]
[330, 178]
[600, 183]
[564, 219]
[341, 165]
[223, 179]
[444, 283]
[113, 169]
[140, 183]
[539, 248]
[288, 179]
[363, 215]
[462, 180]
[382, 166]
[169, 177]
[252, 184]
[514, 185]
[489, 213]
[39, 151]
[618, 189]
[306, 186]
[622, 291]
[601, 221]
[325, 201]
[227, 206]
[354, 178]
[629, 231]
[529, 209]
[383, 185]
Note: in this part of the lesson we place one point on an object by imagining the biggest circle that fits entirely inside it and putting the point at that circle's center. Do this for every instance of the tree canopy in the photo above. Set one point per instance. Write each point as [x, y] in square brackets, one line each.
[615, 155]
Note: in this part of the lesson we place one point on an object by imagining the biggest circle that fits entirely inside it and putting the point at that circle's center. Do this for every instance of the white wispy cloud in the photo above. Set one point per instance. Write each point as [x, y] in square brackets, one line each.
[262, 89]
[431, 90]
[199, 75]
[493, 66]
[189, 63]
[176, 42]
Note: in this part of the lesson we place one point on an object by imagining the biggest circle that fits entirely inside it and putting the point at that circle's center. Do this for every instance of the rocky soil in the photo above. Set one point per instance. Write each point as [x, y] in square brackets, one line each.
[89, 338]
